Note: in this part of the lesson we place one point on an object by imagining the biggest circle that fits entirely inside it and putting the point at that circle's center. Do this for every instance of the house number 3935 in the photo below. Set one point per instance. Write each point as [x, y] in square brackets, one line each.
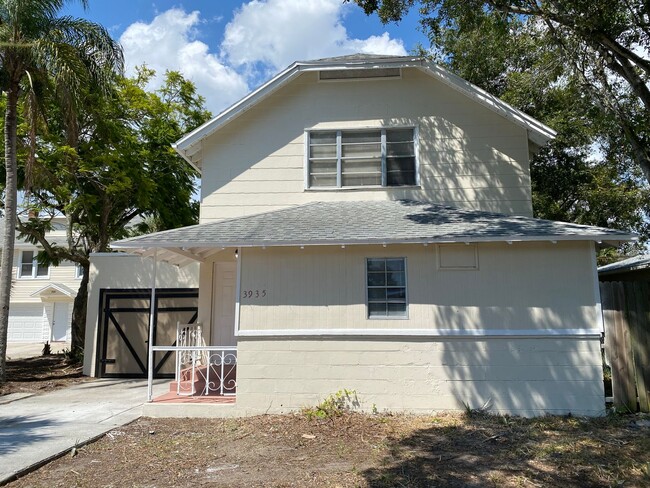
[253, 293]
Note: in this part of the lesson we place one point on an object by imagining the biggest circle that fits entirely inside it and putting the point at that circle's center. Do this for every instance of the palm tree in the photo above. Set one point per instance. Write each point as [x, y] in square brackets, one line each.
[40, 49]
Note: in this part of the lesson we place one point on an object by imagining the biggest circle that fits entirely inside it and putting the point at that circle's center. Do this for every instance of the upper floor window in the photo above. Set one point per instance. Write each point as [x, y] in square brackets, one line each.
[353, 158]
[30, 268]
[78, 271]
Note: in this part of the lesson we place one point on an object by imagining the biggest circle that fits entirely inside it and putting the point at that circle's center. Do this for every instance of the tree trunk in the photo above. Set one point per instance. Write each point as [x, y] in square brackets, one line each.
[79, 315]
[9, 234]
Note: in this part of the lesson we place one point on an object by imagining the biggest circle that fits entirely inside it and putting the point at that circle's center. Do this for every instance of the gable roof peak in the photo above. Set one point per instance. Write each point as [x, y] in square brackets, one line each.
[189, 146]
[358, 57]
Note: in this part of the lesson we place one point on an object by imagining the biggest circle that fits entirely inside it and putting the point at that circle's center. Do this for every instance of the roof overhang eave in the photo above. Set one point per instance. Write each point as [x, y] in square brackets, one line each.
[183, 153]
[185, 143]
[538, 132]
[143, 245]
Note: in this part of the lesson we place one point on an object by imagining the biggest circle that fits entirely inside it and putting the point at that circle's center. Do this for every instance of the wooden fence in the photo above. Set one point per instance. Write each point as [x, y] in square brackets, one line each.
[626, 312]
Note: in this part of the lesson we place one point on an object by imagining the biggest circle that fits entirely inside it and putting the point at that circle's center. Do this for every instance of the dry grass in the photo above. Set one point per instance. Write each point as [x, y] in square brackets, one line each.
[40, 374]
[354, 450]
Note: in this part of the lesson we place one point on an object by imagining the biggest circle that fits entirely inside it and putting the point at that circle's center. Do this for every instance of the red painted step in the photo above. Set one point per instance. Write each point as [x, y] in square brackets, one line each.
[197, 387]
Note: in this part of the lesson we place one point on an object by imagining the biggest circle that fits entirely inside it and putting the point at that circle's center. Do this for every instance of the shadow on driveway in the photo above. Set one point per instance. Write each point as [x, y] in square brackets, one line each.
[20, 431]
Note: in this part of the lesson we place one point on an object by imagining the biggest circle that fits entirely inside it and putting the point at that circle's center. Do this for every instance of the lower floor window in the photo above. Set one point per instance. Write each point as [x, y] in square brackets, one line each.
[386, 287]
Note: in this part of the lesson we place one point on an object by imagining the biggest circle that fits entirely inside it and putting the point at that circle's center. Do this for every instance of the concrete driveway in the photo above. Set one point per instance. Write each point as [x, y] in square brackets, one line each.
[20, 350]
[35, 429]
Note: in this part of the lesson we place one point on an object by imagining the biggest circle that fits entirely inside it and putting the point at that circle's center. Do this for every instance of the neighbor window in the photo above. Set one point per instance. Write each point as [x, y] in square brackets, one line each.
[78, 271]
[386, 287]
[29, 267]
[378, 157]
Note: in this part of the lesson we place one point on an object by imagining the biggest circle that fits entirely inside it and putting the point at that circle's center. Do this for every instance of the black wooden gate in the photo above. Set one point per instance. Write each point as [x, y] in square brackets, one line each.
[124, 333]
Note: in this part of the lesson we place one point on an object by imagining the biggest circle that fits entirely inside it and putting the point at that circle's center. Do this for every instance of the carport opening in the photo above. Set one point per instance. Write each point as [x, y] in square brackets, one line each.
[124, 329]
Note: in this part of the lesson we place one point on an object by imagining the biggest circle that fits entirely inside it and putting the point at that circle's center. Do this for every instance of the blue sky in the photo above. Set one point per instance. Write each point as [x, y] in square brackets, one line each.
[228, 47]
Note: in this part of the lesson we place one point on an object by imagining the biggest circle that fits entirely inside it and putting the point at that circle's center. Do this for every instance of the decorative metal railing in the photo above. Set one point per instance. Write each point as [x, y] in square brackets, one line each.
[200, 370]
[204, 370]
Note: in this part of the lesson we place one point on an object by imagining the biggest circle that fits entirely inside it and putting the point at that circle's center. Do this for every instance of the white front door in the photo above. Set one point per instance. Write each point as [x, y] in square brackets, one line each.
[60, 322]
[224, 288]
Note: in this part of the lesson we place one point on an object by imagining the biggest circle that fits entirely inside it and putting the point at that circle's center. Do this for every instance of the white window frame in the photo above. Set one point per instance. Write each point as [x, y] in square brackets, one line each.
[339, 159]
[406, 290]
[33, 275]
[78, 271]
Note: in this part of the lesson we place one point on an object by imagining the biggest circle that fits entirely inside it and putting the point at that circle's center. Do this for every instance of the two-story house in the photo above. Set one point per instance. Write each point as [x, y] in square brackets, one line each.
[42, 296]
[366, 224]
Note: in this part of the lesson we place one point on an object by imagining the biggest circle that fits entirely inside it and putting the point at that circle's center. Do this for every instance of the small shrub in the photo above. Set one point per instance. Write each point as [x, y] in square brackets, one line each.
[469, 411]
[47, 349]
[74, 356]
[334, 405]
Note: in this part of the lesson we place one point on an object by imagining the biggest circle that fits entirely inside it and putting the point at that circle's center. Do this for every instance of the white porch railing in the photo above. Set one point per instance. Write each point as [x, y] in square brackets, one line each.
[200, 370]
[203, 370]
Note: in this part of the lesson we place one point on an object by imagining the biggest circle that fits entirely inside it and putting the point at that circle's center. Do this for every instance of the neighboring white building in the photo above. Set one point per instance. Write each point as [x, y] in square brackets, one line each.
[366, 224]
[42, 296]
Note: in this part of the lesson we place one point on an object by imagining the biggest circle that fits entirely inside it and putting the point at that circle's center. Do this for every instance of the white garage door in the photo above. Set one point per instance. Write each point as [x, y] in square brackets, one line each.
[25, 322]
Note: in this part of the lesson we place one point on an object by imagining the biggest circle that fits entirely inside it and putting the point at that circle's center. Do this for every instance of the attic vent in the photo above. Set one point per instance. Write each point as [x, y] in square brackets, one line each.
[356, 74]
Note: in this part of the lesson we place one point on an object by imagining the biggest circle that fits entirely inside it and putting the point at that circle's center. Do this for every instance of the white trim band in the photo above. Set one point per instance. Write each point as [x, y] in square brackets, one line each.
[530, 333]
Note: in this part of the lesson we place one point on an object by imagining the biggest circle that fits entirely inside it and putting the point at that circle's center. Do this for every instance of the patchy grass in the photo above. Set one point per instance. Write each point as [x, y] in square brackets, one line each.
[354, 450]
[40, 374]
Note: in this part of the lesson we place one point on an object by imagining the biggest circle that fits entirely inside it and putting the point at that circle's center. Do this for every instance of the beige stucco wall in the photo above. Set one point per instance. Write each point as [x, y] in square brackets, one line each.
[522, 286]
[509, 375]
[469, 156]
[118, 270]
[430, 361]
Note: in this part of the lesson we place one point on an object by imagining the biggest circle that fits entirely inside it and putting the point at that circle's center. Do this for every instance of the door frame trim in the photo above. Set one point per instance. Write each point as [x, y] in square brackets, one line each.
[213, 311]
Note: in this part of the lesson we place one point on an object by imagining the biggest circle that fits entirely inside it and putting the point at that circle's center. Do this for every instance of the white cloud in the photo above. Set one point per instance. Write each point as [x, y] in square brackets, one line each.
[167, 43]
[263, 37]
[278, 32]
[382, 44]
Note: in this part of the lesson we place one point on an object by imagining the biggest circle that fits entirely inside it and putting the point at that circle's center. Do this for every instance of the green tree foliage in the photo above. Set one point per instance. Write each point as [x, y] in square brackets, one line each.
[118, 173]
[592, 173]
[40, 50]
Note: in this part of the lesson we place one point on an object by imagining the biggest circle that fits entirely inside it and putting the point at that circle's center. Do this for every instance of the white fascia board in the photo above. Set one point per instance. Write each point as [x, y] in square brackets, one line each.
[140, 244]
[539, 133]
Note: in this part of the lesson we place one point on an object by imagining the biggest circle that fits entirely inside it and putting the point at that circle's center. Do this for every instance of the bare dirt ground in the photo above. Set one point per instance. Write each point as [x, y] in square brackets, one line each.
[40, 374]
[355, 450]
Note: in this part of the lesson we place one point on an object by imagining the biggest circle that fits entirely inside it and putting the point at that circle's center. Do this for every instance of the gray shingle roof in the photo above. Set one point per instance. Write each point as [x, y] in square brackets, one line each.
[330, 223]
[637, 262]
[357, 57]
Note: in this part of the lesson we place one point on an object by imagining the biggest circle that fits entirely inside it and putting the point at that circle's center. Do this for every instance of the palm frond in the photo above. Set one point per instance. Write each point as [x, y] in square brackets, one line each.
[90, 37]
